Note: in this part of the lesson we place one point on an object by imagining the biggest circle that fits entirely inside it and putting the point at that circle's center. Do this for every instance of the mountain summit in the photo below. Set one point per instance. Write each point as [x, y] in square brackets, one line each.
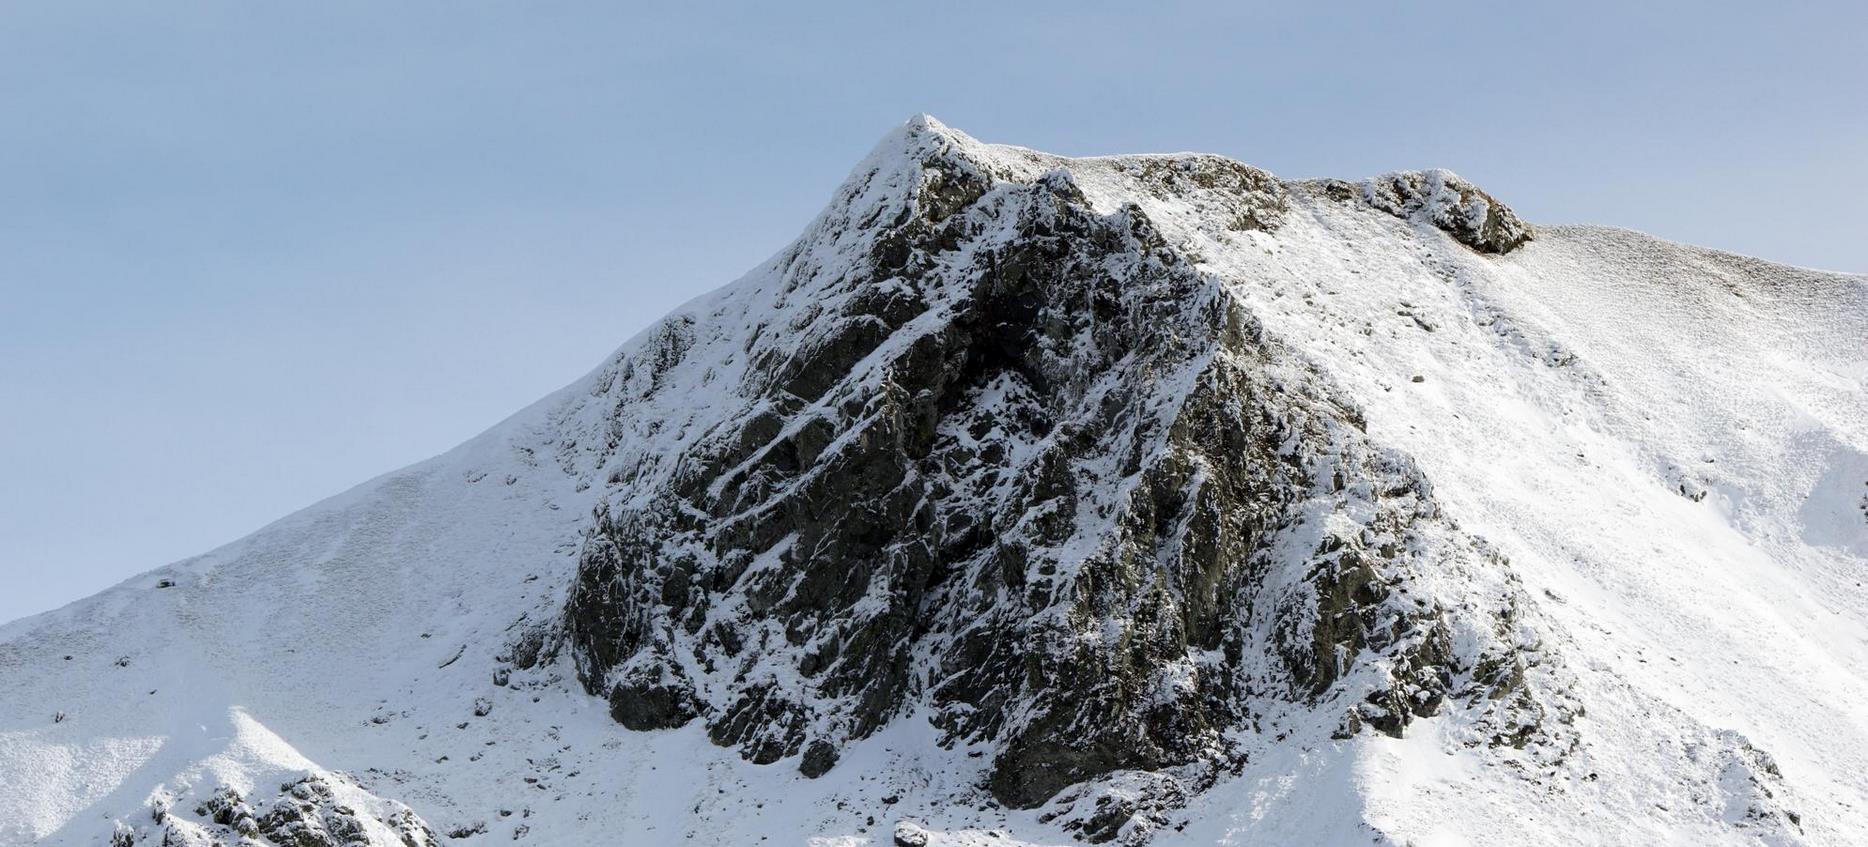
[1030, 500]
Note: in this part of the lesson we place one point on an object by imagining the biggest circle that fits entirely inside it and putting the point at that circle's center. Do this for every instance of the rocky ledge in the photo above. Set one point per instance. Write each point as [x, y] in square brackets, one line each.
[991, 456]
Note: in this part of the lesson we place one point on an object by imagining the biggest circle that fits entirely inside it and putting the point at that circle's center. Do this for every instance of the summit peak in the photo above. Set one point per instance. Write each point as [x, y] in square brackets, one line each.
[1176, 501]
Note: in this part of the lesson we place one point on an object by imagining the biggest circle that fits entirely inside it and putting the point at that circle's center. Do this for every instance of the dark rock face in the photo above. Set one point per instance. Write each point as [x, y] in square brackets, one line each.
[1025, 469]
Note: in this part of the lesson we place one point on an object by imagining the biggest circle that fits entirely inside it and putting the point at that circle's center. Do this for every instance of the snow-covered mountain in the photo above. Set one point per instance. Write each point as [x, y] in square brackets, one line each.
[1027, 500]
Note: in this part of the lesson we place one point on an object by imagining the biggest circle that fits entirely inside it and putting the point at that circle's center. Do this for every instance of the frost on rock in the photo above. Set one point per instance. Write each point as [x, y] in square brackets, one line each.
[1237, 196]
[1440, 198]
[316, 811]
[1017, 465]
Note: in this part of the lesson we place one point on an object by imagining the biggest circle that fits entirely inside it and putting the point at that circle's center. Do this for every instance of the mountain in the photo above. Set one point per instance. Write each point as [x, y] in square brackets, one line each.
[1034, 500]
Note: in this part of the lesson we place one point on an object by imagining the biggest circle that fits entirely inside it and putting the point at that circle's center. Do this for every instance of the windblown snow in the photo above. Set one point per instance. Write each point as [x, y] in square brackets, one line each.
[1645, 466]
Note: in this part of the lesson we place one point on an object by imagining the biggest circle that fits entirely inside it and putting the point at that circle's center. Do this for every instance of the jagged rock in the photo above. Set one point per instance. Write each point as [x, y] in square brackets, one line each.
[1125, 807]
[1243, 197]
[309, 812]
[1442, 199]
[818, 759]
[1025, 465]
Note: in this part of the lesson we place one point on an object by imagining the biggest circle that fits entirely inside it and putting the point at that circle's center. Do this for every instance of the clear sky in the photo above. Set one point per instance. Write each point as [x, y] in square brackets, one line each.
[252, 254]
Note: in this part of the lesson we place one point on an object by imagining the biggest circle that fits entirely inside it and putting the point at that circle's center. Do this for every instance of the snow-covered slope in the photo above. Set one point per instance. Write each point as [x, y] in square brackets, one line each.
[1173, 501]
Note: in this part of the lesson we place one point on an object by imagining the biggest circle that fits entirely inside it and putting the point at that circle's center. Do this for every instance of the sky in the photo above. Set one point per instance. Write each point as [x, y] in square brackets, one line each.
[254, 254]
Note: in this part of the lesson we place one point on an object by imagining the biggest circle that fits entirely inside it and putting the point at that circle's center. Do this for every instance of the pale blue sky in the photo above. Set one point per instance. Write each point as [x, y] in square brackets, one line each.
[252, 254]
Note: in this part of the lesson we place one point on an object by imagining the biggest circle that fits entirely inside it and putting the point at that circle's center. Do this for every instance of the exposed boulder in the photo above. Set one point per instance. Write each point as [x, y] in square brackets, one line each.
[1440, 198]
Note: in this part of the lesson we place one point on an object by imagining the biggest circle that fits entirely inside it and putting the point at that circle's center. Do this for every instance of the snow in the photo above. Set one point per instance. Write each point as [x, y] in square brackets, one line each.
[1573, 389]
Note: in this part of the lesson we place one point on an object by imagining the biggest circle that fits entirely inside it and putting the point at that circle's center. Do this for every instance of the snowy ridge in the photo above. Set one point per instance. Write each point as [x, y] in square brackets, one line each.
[1580, 514]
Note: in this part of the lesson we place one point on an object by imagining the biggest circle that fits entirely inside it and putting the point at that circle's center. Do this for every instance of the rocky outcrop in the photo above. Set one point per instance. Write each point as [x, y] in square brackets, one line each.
[1441, 199]
[1022, 467]
[315, 811]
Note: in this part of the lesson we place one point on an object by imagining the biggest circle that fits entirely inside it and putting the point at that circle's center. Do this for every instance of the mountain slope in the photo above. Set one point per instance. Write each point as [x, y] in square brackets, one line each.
[1145, 497]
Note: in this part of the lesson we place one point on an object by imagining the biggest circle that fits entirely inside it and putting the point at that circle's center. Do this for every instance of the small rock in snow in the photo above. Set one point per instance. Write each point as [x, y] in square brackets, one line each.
[910, 834]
